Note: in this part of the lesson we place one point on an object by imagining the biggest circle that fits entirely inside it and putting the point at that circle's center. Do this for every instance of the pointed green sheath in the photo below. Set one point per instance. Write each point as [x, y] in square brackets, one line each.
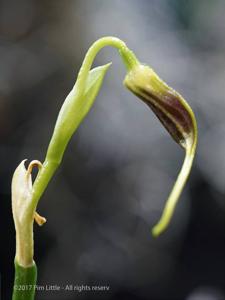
[176, 116]
[73, 111]
[25, 282]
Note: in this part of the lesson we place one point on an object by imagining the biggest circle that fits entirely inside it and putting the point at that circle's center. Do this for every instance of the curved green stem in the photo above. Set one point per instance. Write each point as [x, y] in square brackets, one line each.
[127, 55]
[58, 143]
[25, 282]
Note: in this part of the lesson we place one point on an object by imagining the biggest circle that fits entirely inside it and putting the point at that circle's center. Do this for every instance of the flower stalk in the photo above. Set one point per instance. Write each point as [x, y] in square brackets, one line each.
[76, 106]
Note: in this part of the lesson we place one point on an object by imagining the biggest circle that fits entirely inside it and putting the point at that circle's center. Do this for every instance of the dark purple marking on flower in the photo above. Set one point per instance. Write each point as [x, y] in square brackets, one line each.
[170, 111]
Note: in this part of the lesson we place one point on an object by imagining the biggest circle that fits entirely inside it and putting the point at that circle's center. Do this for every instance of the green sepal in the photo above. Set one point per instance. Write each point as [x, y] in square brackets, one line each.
[25, 282]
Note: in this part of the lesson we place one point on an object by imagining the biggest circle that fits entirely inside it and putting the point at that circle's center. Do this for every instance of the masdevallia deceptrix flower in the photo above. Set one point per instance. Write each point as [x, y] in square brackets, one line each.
[176, 116]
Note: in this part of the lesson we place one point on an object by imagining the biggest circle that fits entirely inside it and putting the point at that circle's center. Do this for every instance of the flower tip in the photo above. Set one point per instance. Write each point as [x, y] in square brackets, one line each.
[157, 230]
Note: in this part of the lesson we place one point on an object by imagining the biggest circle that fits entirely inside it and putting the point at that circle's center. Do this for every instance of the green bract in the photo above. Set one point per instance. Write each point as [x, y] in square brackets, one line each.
[73, 111]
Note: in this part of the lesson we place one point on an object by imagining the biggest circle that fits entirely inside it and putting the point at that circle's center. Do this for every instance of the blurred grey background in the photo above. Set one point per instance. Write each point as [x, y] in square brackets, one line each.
[121, 164]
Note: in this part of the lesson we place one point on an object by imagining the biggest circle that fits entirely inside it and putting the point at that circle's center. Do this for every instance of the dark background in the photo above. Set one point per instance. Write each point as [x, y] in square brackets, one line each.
[120, 165]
